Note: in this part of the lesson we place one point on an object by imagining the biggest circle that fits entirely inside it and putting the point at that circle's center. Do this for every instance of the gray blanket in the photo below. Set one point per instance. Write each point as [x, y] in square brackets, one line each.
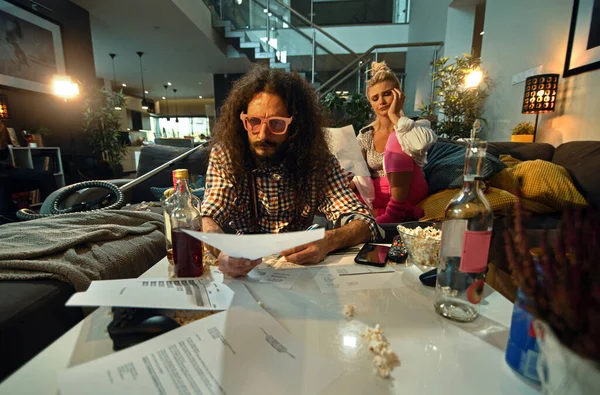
[80, 247]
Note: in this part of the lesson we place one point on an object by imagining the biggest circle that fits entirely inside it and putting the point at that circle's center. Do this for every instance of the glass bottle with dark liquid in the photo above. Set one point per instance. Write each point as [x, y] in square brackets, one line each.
[187, 250]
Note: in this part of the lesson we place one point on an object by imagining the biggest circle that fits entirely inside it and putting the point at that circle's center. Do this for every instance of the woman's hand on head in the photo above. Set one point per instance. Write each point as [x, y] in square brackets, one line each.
[395, 110]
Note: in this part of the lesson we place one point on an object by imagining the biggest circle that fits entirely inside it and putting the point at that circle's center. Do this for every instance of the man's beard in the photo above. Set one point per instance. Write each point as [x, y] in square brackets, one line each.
[270, 159]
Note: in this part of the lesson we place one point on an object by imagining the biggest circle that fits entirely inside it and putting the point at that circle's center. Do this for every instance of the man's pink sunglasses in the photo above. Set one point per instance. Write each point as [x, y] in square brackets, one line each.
[277, 125]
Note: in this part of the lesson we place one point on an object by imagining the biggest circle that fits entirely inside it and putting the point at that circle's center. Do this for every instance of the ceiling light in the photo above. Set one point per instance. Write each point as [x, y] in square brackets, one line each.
[238, 2]
[482, 33]
[175, 98]
[124, 84]
[146, 92]
[145, 103]
[265, 10]
[199, 97]
[270, 14]
[118, 108]
[164, 98]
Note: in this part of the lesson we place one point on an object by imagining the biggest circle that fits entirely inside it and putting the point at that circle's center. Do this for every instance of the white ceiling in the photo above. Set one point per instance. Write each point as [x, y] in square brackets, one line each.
[175, 50]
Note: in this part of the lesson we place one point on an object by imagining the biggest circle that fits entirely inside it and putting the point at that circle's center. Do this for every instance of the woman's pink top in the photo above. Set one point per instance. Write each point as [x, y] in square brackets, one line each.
[396, 160]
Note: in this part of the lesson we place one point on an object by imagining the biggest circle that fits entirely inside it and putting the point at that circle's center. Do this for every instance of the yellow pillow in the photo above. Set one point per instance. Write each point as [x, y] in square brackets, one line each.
[541, 182]
[435, 205]
[509, 161]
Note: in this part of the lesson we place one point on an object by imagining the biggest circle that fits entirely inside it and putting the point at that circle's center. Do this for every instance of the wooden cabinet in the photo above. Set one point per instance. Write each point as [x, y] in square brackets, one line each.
[42, 158]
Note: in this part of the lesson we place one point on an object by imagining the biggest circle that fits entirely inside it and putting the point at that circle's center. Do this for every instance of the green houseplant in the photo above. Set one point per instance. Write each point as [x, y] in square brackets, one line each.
[459, 106]
[353, 110]
[102, 125]
[523, 133]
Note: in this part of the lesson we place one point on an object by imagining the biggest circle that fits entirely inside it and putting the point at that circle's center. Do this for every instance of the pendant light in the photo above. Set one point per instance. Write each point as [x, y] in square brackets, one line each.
[175, 98]
[145, 103]
[167, 99]
[114, 81]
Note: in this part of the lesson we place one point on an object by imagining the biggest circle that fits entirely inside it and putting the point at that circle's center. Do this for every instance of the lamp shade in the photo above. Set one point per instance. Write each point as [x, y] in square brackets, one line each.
[540, 94]
[4, 107]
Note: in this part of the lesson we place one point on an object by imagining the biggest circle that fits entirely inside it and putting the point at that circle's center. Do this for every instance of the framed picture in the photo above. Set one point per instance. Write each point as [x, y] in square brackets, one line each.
[583, 48]
[13, 137]
[31, 48]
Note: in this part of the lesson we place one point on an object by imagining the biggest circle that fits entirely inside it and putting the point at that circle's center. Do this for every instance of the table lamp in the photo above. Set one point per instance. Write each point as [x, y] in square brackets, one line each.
[540, 96]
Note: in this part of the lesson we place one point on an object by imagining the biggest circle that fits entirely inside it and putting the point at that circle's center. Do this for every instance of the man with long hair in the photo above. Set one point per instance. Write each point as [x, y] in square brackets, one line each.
[270, 170]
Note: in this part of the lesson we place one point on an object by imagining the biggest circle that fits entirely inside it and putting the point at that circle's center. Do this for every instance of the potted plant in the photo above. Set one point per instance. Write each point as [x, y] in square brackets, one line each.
[522, 133]
[459, 106]
[344, 110]
[560, 283]
[102, 124]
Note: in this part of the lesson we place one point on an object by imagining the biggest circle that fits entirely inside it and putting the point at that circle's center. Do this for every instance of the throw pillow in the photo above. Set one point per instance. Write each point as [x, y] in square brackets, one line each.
[445, 166]
[435, 205]
[542, 182]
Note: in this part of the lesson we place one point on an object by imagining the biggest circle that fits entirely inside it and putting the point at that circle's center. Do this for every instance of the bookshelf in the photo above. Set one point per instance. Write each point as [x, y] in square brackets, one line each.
[42, 158]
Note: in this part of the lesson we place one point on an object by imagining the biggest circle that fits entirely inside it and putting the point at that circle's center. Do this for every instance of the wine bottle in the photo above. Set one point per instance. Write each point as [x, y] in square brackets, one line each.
[187, 250]
[466, 236]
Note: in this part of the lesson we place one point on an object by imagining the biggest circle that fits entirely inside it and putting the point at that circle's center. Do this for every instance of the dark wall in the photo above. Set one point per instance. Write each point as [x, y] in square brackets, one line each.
[222, 85]
[30, 109]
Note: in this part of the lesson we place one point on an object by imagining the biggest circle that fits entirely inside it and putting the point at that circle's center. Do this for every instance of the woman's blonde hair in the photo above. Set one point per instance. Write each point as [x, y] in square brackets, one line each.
[380, 72]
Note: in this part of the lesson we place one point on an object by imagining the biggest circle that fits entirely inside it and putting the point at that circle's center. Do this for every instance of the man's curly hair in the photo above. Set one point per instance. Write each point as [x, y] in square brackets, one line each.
[307, 156]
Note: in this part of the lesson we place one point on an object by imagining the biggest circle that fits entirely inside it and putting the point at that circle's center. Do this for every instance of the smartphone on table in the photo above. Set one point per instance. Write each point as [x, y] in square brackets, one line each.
[373, 254]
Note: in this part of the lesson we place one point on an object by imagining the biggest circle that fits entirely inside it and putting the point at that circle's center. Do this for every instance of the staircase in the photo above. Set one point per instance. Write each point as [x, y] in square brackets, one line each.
[255, 51]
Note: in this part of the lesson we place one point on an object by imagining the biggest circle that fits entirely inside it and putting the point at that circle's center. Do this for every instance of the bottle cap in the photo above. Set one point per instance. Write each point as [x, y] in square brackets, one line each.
[180, 174]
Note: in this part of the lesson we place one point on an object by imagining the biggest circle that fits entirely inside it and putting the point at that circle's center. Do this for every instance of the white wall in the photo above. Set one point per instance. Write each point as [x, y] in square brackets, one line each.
[459, 31]
[428, 19]
[520, 35]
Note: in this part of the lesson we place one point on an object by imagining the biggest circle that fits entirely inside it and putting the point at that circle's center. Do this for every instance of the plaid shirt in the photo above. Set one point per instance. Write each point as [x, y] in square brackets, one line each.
[225, 203]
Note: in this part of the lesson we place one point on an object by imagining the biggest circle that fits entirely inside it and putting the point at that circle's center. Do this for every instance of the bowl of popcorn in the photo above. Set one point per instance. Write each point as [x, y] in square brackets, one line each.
[422, 241]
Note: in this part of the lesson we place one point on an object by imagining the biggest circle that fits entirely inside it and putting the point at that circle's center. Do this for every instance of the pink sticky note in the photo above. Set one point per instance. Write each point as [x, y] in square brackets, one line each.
[475, 249]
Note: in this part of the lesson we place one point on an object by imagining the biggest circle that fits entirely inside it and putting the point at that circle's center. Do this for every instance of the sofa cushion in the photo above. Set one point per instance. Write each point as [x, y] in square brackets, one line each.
[152, 156]
[522, 151]
[445, 166]
[32, 315]
[582, 160]
[543, 182]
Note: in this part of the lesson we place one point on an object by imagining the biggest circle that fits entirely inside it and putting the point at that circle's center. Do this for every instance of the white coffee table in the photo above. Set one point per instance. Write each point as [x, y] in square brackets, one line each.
[438, 356]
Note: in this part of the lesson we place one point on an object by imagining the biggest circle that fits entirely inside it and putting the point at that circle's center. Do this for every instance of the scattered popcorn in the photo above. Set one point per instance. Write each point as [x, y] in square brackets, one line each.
[384, 360]
[184, 317]
[422, 244]
[349, 310]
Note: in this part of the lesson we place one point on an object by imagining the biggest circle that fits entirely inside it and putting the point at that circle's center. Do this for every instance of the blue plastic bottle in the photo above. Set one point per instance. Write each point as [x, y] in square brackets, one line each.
[522, 349]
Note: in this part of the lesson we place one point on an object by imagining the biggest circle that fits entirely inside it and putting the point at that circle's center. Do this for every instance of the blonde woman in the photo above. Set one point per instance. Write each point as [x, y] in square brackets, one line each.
[395, 149]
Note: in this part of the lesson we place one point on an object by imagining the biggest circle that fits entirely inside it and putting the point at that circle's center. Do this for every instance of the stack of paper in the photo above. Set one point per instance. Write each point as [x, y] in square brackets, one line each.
[241, 351]
[178, 293]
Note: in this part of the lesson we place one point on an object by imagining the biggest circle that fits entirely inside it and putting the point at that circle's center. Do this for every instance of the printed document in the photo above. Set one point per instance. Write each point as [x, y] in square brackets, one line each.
[239, 351]
[164, 293]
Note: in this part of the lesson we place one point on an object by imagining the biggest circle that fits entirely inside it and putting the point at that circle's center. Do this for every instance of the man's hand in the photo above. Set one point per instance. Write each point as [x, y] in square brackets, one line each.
[309, 253]
[236, 267]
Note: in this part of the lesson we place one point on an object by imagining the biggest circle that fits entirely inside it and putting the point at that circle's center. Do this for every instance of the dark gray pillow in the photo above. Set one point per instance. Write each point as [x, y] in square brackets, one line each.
[445, 166]
[153, 156]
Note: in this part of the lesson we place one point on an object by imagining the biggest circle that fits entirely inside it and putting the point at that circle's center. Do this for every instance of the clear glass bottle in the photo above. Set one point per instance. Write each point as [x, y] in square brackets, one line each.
[466, 236]
[168, 206]
[187, 250]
